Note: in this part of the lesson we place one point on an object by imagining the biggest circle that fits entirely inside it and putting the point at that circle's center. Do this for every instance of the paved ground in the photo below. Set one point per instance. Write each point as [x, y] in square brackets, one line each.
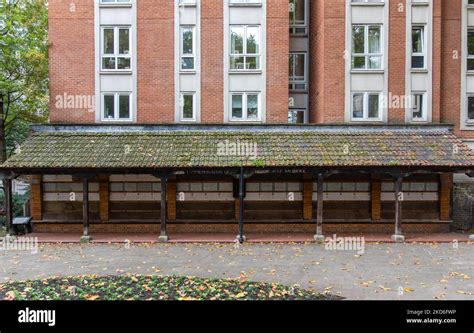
[384, 271]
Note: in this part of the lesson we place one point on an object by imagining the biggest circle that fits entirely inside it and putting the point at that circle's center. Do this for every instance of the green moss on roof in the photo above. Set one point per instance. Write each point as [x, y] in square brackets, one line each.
[180, 149]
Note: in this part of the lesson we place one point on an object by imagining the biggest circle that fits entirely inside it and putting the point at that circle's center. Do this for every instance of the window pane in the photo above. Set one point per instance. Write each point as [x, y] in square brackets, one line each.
[188, 106]
[252, 106]
[417, 62]
[417, 40]
[108, 63]
[124, 41]
[123, 63]
[470, 109]
[470, 42]
[237, 62]
[358, 106]
[187, 41]
[237, 40]
[470, 64]
[358, 62]
[109, 112]
[253, 43]
[358, 39]
[299, 14]
[373, 106]
[108, 41]
[417, 109]
[253, 63]
[375, 62]
[296, 117]
[299, 66]
[124, 106]
[237, 106]
[187, 63]
[374, 39]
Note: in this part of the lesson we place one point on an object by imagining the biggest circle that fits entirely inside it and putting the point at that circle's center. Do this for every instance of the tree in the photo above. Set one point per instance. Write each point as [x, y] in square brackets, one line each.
[23, 70]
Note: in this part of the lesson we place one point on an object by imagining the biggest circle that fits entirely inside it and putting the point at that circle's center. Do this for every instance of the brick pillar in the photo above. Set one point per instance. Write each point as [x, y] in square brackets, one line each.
[171, 199]
[308, 199]
[446, 187]
[376, 198]
[104, 197]
[36, 198]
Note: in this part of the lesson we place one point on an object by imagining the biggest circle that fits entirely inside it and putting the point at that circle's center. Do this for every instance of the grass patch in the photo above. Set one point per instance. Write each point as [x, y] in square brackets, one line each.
[139, 287]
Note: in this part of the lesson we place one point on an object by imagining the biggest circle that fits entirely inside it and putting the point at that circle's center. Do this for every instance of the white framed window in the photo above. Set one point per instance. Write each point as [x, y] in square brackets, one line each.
[418, 41]
[298, 71]
[419, 107]
[470, 50]
[245, 106]
[297, 116]
[188, 48]
[366, 106]
[187, 106]
[116, 49]
[298, 10]
[116, 106]
[470, 108]
[244, 47]
[367, 44]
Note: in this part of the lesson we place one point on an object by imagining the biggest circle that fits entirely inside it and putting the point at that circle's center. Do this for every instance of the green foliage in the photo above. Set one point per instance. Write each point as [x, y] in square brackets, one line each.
[23, 66]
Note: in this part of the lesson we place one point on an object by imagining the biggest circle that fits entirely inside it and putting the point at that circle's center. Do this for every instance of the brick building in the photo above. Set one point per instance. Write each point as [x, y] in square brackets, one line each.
[165, 117]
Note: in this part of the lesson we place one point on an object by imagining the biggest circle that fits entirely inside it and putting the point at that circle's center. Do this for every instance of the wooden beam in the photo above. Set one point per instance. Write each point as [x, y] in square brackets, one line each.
[163, 234]
[7, 185]
[308, 198]
[85, 210]
[104, 197]
[399, 196]
[241, 237]
[445, 191]
[376, 198]
[319, 237]
[171, 199]
[36, 197]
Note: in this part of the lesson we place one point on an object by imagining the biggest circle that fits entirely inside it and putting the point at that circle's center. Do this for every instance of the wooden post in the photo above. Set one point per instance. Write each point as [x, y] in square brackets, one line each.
[376, 198]
[446, 187]
[7, 184]
[308, 198]
[398, 236]
[85, 210]
[163, 235]
[319, 237]
[171, 199]
[241, 237]
[104, 197]
[36, 198]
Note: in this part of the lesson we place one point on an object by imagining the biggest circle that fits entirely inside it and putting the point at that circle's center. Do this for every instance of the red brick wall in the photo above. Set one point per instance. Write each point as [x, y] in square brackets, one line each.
[327, 67]
[278, 48]
[71, 57]
[155, 34]
[212, 61]
[397, 58]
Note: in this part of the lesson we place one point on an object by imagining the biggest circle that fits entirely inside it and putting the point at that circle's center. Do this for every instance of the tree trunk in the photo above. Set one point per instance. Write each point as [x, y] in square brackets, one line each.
[3, 139]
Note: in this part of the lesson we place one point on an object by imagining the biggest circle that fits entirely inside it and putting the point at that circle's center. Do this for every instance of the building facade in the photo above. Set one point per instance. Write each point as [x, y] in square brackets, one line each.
[381, 66]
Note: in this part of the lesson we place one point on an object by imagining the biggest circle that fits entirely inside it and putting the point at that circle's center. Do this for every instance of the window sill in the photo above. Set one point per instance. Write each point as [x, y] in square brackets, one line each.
[420, 4]
[420, 70]
[187, 5]
[116, 72]
[367, 71]
[115, 5]
[115, 121]
[368, 121]
[188, 72]
[245, 5]
[368, 4]
[233, 72]
[240, 122]
[470, 73]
